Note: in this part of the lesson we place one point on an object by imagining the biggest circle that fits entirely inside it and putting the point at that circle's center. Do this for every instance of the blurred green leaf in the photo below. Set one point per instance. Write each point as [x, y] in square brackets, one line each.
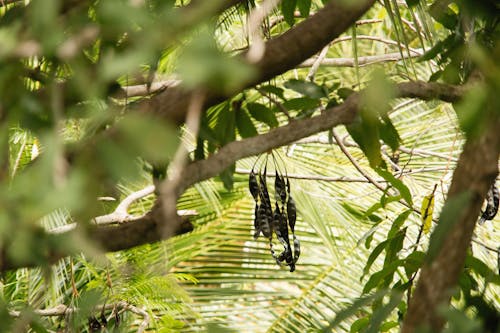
[301, 103]
[288, 10]
[262, 113]
[142, 135]
[201, 63]
[304, 7]
[306, 88]
[244, 124]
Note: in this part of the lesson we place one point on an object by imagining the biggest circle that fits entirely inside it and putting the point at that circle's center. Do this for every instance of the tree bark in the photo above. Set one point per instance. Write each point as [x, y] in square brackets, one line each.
[476, 171]
[281, 54]
[146, 229]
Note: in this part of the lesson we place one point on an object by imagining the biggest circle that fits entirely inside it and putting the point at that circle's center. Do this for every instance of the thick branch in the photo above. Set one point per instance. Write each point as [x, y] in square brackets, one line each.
[475, 172]
[147, 229]
[281, 54]
[342, 114]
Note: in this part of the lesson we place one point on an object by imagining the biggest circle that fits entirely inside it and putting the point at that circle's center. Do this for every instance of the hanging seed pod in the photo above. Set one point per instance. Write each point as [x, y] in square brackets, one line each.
[94, 324]
[273, 253]
[291, 212]
[256, 223]
[276, 221]
[264, 221]
[296, 249]
[264, 193]
[253, 186]
[491, 206]
[280, 187]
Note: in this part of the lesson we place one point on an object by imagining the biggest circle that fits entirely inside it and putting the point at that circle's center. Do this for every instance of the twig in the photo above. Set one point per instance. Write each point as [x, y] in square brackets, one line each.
[142, 89]
[258, 47]
[355, 163]
[63, 310]
[362, 61]
[404, 149]
[317, 63]
[276, 102]
[120, 214]
[170, 190]
[341, 179]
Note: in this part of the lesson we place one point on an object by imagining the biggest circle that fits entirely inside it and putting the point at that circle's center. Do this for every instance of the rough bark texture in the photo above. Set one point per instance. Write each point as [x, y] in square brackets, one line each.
[281, 54]
[475, 172]
[145, 230]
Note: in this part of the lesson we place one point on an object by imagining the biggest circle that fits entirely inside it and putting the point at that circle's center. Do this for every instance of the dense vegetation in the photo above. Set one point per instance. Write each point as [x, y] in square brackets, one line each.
[129, 130]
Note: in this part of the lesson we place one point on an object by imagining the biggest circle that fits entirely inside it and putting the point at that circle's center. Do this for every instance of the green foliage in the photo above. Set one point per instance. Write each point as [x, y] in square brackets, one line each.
[69, 136]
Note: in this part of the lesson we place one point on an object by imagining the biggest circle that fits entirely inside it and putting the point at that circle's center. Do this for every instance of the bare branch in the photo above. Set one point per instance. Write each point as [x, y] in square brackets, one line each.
[258, 47]
[362, 61]
[63, 310]
[169, 188]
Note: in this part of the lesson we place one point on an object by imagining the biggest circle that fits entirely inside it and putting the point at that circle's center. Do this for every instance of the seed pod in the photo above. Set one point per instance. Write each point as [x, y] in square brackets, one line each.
[296, 249]
[280, 187]
[291, 212]
[94, 324]
[264, 221]
[264, 194]
[253, 186]
[256, 223]
[276, 221]
[491, 206]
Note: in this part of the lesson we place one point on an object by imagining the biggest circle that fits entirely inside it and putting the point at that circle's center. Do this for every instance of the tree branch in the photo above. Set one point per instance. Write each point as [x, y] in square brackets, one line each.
[476, 170]
[281, 54]
[147, 228]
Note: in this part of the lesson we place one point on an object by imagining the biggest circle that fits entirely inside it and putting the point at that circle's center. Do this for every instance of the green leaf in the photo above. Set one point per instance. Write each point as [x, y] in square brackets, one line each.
[440, 11]
[273, 90]
[374, 255]
[378, 277]
[438, 48]
[450, 215]
[398, 222]
[301, 103]
[146, 136]
[345, 92]
[304, 7]
[306, 88]
[262, 113]
[398, 184]
[354, 308]
[288, 9]
[482, 269]
[389, 134]
[472, 110]
[378, 205]
[366, 135]
[359, 325]
[395, 245]
[244, 124]
[413, 262]
[227, 177]
[412, 3]
[383, 312]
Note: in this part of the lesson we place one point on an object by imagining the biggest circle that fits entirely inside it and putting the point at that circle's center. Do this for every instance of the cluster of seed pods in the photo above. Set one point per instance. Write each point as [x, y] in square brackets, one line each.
[279, 220]
[492, 203]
